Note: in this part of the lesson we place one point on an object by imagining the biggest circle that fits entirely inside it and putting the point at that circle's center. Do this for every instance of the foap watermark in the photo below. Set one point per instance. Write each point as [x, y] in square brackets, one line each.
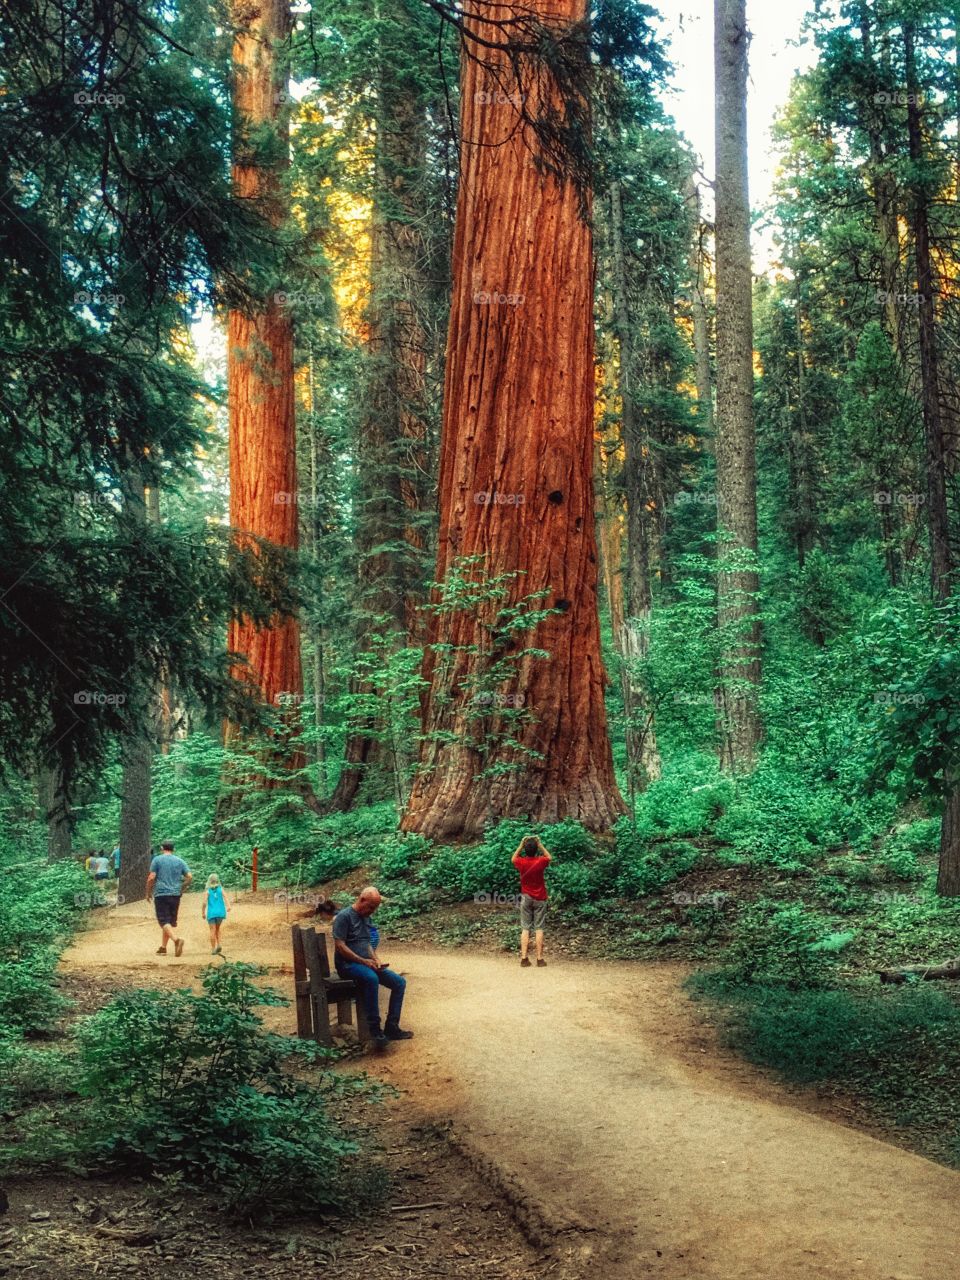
[93, 500]
[289, 699]
[493, 298]
[97, 298]
[693, 699]
[297, 898]
[491, 498]
[883, 897]
[897, 98]
[94, 698]
[498, 899]
[705, 499]
[498, 699]
[885, 498]
[896, 698]
[712, 899]
[499, 98]
[883, 297]
[298, 298]
[86, 901]
[294, 498]
[95, 98]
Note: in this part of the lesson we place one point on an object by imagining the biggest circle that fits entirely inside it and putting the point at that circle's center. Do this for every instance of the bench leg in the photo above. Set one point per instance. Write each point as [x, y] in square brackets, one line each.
[321, 1020]
[344, 1015]
[363, 1027]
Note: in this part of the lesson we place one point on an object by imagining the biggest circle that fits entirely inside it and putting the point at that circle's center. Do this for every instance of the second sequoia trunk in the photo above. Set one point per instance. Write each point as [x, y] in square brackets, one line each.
[263, 473]
[516, 484]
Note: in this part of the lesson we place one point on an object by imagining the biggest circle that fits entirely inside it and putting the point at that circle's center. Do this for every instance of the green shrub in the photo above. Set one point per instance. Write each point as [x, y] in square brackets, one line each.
[687, 800]
[642, 867]
[332, 862]
[398, 853]
[571, 882]
[29, 1075]
[194, 1084]
[29, 1000]
[782, 944]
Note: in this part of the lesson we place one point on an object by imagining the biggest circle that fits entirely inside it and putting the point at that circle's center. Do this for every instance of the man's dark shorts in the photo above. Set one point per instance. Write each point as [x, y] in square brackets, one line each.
[167, 905]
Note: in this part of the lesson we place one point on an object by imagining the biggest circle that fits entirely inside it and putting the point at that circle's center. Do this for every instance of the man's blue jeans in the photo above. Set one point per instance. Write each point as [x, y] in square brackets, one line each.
[369, 981]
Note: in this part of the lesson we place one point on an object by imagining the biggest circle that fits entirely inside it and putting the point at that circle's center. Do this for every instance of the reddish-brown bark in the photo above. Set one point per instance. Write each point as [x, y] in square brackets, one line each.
[516, 484]
[263, 472]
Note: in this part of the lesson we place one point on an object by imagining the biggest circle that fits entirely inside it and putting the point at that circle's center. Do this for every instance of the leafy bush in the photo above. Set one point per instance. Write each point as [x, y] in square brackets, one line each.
[38, 911]
[196, 1085]
[29, 1075]
[642, 867]
[399, 852]
[782, 944]
[29, 1000]
[572, 882]
[685, 801]
[329, 863]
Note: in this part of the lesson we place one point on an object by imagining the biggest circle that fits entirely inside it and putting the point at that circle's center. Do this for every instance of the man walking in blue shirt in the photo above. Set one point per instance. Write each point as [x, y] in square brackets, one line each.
[169, 876]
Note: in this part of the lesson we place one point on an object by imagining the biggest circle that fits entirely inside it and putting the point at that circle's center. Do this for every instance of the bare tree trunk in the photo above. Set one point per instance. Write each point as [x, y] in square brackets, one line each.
[516, 483]
[393, 435]
[643, 756]
[937, 451]
[137, 747]
[738, 583]
[56, 812]
[700, 314]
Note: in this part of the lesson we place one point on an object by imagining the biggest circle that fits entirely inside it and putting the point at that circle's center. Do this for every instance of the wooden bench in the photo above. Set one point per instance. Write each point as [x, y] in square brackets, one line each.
[317, 988]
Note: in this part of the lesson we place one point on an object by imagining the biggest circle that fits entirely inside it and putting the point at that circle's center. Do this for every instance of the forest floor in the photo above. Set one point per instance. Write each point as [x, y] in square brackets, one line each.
[590, 1119]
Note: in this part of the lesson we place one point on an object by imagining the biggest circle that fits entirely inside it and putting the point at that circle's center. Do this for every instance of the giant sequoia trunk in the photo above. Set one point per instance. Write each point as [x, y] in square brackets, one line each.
[516, 485]
[263, 472]
[737, 584]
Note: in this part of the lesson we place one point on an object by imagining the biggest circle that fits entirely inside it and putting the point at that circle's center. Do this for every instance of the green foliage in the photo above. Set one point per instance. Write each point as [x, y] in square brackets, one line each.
[195, 1084]
[643, 867]
[39, 907]
[686, 801]
[777, 943]
[399, 853]
[330, 863]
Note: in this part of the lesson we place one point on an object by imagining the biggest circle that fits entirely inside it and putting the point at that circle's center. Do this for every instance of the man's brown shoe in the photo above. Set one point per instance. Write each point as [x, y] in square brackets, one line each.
[525, 963]
[178, 946]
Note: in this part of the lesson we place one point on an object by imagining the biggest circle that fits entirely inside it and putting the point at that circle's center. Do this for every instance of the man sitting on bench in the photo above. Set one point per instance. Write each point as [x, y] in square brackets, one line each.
[357, 958]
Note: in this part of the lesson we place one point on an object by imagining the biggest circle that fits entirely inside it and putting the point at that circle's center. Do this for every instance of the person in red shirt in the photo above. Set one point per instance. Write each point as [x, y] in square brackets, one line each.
[531, 860]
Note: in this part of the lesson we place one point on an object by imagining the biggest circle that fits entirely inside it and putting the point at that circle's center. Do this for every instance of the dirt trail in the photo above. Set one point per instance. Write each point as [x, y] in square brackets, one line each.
[593, 1086]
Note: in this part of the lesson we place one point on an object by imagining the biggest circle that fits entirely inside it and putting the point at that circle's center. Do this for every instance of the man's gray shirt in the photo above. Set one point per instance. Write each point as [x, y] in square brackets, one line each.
[353, 930]
[169, 870]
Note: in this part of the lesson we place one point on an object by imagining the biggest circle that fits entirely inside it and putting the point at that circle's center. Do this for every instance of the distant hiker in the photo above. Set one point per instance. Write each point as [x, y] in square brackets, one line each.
[115, 859]
[357, 958]
[169, 876]
[99, 866]
[88, 862]
[531, 860]
[214, 911]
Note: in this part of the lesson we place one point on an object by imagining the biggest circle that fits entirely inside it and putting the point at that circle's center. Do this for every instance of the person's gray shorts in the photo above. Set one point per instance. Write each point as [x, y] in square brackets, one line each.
[533, 912]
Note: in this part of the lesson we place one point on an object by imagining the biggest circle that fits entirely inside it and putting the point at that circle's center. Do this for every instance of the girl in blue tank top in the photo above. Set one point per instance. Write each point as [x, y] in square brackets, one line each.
[214, 911]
